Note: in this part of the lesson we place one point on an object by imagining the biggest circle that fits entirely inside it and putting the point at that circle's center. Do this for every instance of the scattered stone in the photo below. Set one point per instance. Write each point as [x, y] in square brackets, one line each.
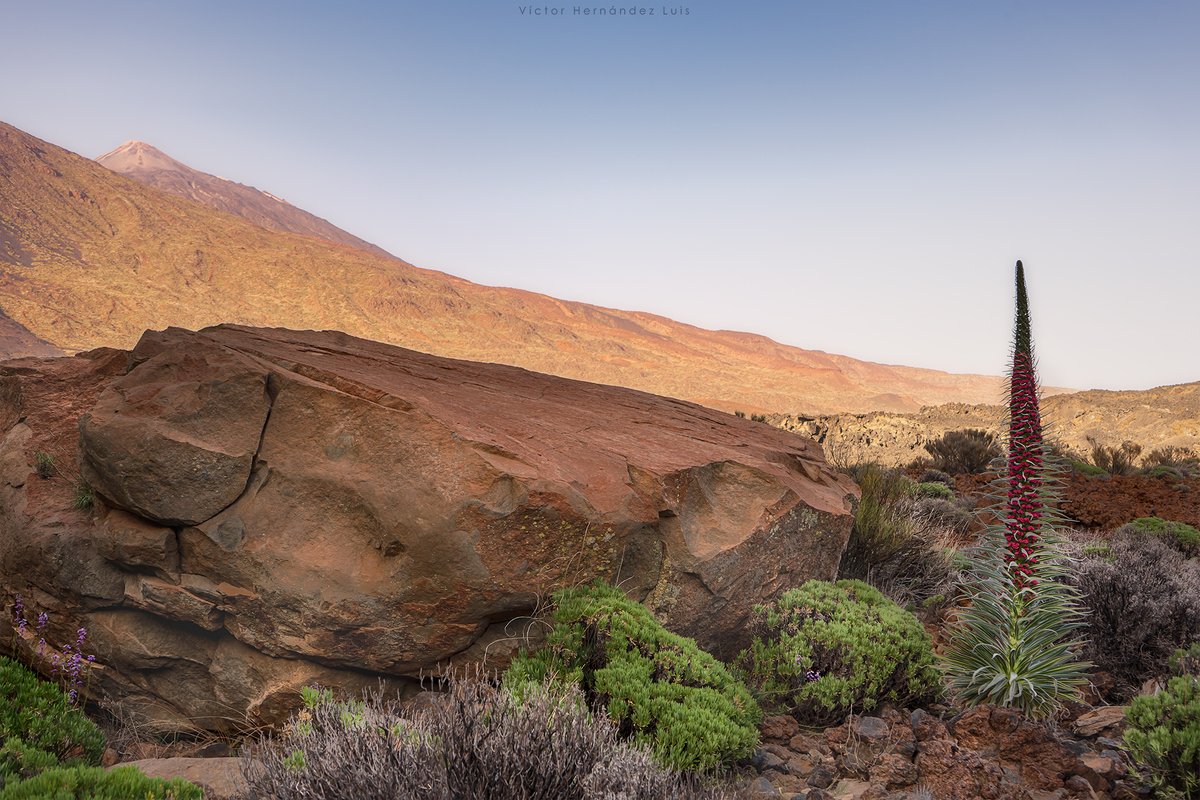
[761, 787]
[1078, 786]
[764, 759]
[221, 778]
[871, 728]
[1100, 719]
[779, 728]
[822, 777]
[850, 789]
[926, 727]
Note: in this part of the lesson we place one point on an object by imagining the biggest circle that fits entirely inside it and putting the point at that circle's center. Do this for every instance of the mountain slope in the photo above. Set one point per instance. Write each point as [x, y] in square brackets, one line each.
[148, 165]
[92, 258]
[16, 341]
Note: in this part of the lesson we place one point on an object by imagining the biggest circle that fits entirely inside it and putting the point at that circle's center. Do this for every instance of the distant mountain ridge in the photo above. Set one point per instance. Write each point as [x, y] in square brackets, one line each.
[1165, 416]
[92, 258]
[148, 165]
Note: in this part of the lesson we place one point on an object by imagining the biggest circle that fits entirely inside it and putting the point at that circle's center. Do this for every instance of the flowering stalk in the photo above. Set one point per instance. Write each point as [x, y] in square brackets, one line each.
[1024, 508]
[1012, 646]
[68, 664]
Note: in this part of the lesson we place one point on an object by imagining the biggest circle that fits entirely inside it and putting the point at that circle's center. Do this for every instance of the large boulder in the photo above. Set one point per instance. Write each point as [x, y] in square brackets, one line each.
[278, 507]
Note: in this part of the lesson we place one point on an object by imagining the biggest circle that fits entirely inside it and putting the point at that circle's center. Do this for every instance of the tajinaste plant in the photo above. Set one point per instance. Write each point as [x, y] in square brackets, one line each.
[1014, 645]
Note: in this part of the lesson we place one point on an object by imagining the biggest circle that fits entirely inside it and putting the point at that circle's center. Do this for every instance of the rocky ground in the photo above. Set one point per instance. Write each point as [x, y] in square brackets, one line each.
[984, 752]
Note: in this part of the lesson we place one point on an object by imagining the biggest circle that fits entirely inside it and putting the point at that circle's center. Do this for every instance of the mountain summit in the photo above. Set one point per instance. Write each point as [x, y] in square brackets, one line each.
[91, 258]
[150, 166]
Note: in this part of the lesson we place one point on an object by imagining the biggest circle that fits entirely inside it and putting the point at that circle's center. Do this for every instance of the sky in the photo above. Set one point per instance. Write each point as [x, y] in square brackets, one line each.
[848, 176]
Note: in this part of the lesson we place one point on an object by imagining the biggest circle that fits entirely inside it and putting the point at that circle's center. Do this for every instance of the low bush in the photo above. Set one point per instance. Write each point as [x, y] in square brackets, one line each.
[1142, 601]
[1086, 469]
[1115, 460]
[1186, 661]
[474, 742]
[94, 783]
[894, 544]
[39, 714]
[20, 760]
[1172, 462]
[935, 489]
[968, 451]
[664, 691]
[1179, 535]
[1163, 737]
[953, 517]
[833, 649]
[937, 476]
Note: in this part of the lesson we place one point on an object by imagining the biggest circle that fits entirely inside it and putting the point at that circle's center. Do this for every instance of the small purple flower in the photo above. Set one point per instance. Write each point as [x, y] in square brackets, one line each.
[18, 609]
[80, 635]
[43, 618]
[812, 675]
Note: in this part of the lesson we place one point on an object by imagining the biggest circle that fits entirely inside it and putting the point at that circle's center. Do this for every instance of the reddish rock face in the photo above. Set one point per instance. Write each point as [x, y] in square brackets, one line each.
[278, 507]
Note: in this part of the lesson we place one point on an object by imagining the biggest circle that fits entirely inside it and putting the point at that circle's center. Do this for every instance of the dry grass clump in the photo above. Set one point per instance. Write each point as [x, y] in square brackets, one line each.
[902, 543]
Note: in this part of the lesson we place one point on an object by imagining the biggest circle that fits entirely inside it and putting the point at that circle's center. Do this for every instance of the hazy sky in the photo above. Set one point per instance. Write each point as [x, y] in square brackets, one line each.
[856, 177]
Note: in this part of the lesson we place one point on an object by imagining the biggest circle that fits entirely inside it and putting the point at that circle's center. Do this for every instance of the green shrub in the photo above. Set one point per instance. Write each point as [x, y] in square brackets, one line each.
[662, 689]
[1084, 468]
[94, 783]
[832, 649]
[1186, 661]
[934, 489]
[39, 714]
[1163, 737]
[19, 759]
[1179, 535]
[968, 451]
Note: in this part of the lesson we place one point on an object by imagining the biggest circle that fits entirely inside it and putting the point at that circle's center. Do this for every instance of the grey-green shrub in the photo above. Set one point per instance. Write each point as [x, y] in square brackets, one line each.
[661, 688]
[933, 489]
[1142, 601]
[830, 649]
[476, 741]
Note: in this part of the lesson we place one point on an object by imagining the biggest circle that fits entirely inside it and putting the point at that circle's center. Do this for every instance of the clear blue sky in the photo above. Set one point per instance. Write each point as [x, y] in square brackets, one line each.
[856, 177]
